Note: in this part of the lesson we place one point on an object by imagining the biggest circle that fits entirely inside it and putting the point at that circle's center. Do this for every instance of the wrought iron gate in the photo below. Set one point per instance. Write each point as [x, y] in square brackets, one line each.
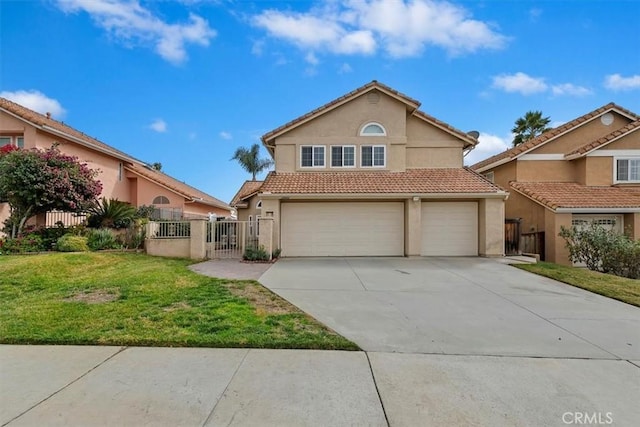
[230, 239]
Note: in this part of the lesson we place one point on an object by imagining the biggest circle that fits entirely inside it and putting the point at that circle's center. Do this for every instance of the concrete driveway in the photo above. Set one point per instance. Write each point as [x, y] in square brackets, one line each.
[456, 306]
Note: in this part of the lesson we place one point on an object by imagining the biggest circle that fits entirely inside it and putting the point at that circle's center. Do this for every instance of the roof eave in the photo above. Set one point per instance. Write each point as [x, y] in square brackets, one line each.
[467, 195]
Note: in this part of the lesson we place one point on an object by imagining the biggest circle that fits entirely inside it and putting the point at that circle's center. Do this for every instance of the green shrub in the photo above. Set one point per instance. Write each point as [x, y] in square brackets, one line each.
[101, 238]
[603, 250]
[111, 213]
[276, 253]
[255, 254]
[72, 243]
[28, 243]
[133, 237]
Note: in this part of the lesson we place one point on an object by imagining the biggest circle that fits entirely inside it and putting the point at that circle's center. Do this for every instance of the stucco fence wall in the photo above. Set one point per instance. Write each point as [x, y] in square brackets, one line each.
[170, 239]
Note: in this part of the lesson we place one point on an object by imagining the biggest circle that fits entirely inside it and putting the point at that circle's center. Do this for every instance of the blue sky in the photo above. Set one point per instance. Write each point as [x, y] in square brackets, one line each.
[185, 83]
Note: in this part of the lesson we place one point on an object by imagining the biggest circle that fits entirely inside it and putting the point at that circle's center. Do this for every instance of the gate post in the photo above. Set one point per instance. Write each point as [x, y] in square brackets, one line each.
[198, 239]
[265, 237]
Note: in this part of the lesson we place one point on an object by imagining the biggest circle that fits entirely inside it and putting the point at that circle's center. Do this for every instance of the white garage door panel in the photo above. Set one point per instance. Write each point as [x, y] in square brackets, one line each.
[449, 228]
[342, 229]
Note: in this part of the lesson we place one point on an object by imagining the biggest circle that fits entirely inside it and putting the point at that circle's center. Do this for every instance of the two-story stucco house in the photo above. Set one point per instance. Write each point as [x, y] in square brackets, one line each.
[585, 170]
[123, 177]
[370, 174]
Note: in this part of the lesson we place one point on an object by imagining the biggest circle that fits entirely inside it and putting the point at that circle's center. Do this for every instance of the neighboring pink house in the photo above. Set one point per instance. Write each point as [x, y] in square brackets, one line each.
[123, 177]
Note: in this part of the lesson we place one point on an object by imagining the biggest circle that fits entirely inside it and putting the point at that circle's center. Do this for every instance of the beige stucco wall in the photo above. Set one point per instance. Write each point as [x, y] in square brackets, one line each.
[598, 171]
[429, 157]
[173, 248]
[147, 191]
[632, 225]
[545, 171]
[251, 209]
[491, 227]
[555, 249]
[271, 209]
[412, 227]
[504, 174]
[586, 133]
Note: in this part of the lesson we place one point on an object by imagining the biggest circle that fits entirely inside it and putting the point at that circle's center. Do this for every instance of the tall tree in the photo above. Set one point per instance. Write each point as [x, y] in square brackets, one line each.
[37, 181]
[529, 126]
[250, 160]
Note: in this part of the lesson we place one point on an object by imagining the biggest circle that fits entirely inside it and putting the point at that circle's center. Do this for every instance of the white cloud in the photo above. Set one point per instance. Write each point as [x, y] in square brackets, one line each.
[128, 21]
[487, 146]
[570, 89]
[312, 59]
[520, 83]
[36, 101]
[225, 135]
[401, 28]
[257, 48]
[158, 125]
[345, 68]
[618, 82]
[534, 14]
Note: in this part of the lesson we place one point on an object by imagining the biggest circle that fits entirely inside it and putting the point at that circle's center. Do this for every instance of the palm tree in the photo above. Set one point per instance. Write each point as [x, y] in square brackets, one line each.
[250, 160]
[529, 126]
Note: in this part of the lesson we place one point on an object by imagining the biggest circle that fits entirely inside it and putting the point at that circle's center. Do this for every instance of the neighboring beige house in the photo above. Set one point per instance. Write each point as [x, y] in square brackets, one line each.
[369, 174]
[123, 177]
[587, 169]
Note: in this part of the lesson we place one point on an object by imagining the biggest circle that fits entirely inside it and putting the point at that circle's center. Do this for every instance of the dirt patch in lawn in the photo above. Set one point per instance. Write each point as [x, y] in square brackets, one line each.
[99, 296]
[177, 306]
[265, 301]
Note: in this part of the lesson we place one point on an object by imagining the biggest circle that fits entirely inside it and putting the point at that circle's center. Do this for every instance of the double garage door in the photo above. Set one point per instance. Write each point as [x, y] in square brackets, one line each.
[376, 229]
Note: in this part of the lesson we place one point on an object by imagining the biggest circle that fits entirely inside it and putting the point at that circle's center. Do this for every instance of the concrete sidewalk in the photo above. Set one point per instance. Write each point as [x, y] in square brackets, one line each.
[102, 386]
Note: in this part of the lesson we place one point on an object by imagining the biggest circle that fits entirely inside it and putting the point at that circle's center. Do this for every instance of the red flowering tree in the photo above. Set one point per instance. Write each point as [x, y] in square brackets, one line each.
[37, 181]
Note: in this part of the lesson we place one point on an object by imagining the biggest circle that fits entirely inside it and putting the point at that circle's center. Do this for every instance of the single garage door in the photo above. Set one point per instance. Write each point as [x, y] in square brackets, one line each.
[342, 229]
[449, 228]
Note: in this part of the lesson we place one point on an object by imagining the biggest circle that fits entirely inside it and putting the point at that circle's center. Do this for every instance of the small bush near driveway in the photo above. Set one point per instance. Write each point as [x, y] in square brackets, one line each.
[135, 299]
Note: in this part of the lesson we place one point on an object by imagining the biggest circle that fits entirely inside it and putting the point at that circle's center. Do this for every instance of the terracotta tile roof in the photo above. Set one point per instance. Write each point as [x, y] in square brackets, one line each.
[532, 143]
[554, 195]
[45, 122]
[248, 188]
[412, 181]
[631, 127]
[362, 89]
[179, 187]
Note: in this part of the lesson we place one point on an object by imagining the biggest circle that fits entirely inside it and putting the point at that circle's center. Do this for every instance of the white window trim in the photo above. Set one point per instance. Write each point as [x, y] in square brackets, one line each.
[13, 140]
[324, 157]
[490, 176]
[615, 170]
[120, 171]
[355, 157]
[259, 204]
[384, 165]
[363, 127]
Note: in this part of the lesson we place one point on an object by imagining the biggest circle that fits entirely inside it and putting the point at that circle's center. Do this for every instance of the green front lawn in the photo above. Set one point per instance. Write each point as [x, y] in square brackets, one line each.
[135, 299]
[620, 288]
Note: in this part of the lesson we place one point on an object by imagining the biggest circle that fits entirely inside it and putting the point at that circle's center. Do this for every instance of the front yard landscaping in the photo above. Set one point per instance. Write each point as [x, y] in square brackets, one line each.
[134, 299]
[620, 288]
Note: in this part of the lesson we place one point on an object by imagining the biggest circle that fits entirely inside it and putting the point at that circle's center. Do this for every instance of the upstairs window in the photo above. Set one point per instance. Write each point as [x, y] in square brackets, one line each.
[373, 156]
[18, 141]
[312, 156]
[373, 129]
[343, 156]
[628, 170]
[160, 200]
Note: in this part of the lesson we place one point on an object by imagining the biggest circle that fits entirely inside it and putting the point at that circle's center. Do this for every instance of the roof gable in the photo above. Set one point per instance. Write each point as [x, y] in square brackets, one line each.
[604, 141]
[411, 104]
[550, 135]
[248, 189]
